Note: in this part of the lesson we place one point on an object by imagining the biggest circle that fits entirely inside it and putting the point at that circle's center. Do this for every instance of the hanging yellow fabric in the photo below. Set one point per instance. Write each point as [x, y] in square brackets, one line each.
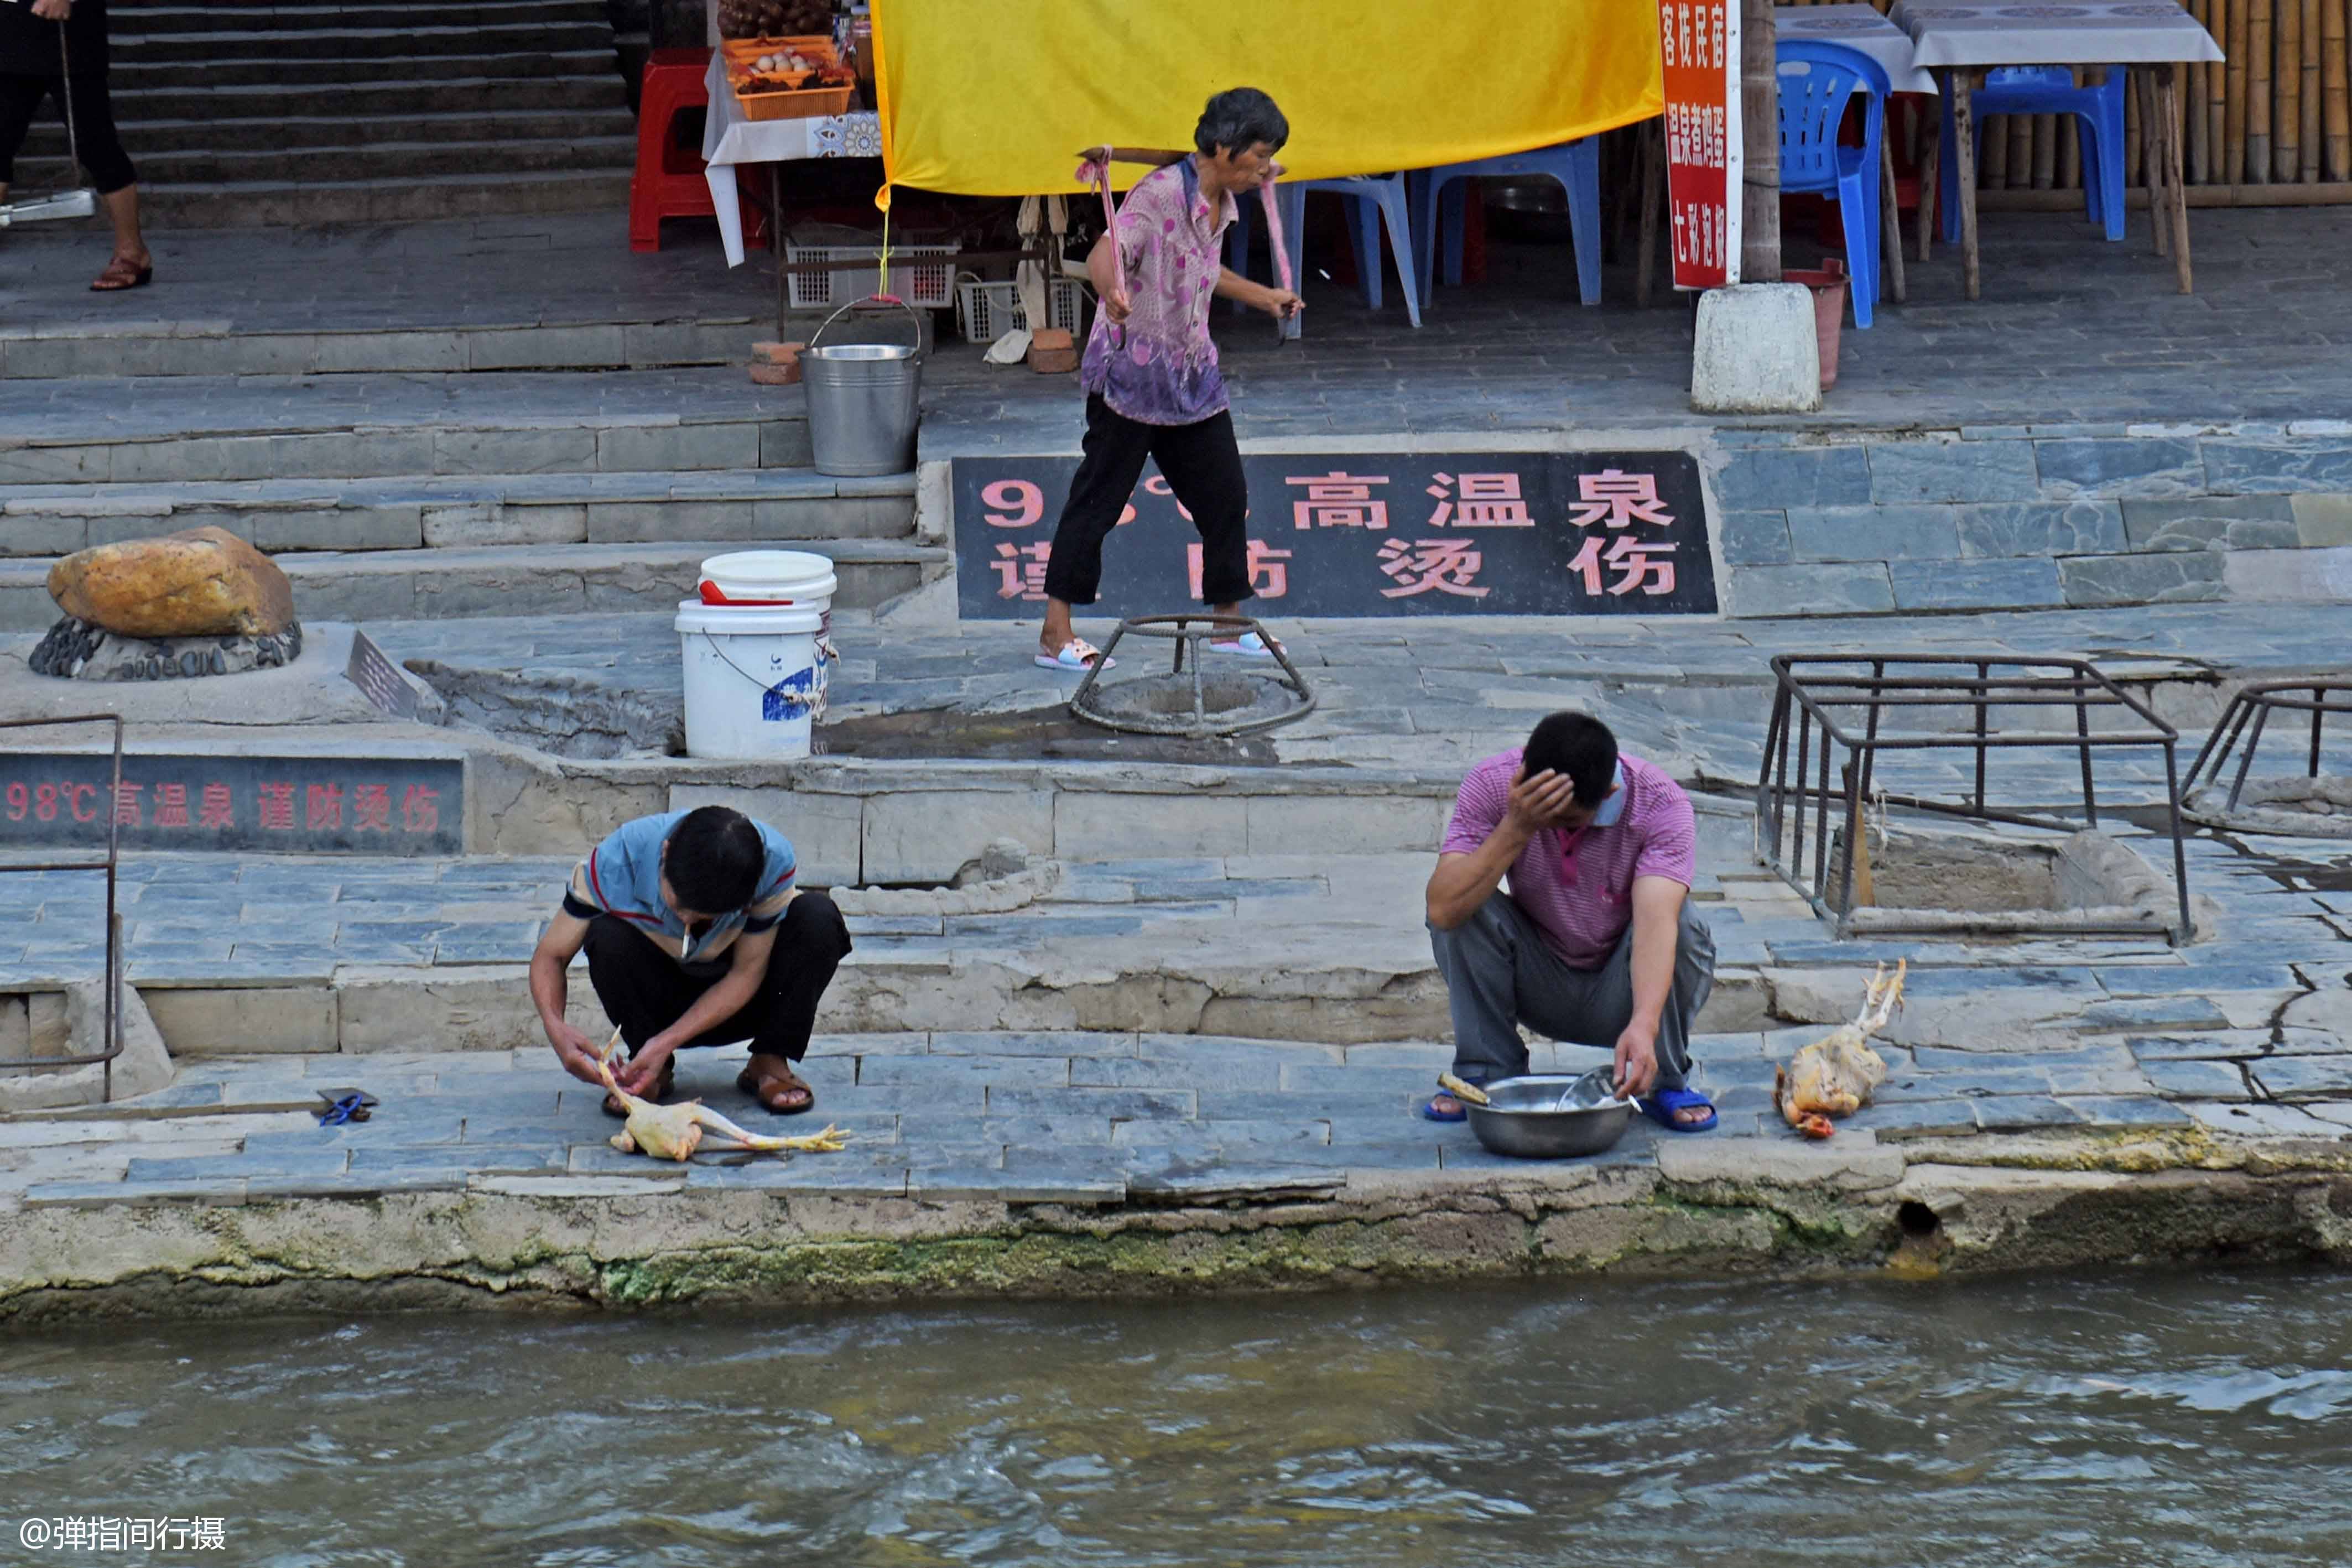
[996, 99]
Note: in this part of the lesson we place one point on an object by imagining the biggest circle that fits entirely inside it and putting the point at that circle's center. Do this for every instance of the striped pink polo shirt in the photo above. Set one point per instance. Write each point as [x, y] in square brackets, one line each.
[1578, 887]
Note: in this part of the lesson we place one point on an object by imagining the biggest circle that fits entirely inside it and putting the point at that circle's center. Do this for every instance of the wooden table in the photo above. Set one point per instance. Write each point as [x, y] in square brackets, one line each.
[1961, 40]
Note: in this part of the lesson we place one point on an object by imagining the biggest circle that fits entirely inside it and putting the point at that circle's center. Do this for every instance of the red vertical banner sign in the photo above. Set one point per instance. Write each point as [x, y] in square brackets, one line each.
[1699, 42]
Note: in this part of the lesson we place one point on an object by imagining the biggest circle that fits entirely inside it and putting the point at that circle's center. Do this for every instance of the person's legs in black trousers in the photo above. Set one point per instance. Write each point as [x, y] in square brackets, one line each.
[1113, 456]
[1203, 466]
[645, 990]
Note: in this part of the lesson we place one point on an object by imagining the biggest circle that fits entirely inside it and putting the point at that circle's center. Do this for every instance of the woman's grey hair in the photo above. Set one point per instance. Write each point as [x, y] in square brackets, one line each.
[1237, 120]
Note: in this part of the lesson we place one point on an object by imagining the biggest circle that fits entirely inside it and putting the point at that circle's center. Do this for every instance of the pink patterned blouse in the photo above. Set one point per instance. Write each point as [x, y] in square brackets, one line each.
[1160, 368]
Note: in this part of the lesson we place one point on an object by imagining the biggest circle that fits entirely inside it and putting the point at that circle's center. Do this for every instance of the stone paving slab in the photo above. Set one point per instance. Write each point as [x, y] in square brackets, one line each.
[1318, 1114]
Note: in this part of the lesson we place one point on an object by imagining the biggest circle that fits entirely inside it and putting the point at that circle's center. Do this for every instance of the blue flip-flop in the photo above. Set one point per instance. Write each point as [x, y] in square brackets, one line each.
[1431, 1112]
[1660, 1105]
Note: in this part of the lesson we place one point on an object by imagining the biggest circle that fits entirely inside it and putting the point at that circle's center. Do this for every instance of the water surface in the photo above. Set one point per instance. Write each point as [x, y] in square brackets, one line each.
[2132, 1419]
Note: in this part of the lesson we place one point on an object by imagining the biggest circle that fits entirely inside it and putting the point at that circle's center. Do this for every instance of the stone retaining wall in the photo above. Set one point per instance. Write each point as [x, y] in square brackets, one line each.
[2019, 517]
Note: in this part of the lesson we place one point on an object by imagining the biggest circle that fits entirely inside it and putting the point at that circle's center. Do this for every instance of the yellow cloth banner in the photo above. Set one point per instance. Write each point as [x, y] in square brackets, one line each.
[996, 97]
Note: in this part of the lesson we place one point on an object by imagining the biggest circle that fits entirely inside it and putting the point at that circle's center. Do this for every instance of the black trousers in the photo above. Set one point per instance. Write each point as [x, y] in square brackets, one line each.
[645, 990]
[1203, 466]
[93, 118]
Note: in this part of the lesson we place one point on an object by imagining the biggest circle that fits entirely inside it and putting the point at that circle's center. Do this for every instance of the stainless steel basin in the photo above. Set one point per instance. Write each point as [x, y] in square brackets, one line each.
[1526, 1116]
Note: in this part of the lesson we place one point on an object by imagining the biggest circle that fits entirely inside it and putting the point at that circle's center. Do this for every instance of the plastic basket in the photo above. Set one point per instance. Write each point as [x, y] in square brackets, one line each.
[986, 311]
[916, 277]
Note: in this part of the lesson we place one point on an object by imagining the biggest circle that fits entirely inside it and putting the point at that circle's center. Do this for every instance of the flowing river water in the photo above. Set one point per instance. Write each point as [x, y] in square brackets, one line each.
[2129, 1419]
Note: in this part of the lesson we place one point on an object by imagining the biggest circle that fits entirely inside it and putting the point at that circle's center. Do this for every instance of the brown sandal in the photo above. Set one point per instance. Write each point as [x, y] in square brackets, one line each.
[791, 1097]
[122, 273]
[620, 1112]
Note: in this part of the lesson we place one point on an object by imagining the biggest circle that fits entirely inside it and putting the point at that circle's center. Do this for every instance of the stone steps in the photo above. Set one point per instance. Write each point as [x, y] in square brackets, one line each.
[205, 428]
[750, 505]
[131, 75]
[241, 115]
[162, 140]
[451, 31]
[412, 93]
[214, 347]
[131, 20]
[301, 202]
[508, 581]
[406, 161]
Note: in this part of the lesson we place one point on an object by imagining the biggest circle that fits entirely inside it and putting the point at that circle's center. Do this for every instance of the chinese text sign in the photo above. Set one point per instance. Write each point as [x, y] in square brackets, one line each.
[1699, 42]
[1516, 533]
[290, 805]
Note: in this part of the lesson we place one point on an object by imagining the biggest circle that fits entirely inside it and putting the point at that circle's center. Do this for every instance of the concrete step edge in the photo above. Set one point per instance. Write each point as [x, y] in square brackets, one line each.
[537, 558]
[509, 490]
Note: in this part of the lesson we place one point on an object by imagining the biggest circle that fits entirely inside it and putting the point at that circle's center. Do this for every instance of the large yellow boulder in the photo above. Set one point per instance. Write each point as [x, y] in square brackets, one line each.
[201, 582]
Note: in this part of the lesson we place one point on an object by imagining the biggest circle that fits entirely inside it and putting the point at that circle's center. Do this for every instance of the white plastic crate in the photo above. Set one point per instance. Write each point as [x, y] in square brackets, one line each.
[986, 311]
[925, 284]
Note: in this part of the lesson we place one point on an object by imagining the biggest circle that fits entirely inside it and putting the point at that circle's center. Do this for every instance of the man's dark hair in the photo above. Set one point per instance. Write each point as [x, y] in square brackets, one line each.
[715, 859]
[1237, 120]
[1581, 749]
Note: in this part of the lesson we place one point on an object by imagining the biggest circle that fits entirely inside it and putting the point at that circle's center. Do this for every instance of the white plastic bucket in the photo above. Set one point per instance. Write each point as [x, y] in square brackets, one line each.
[754, 679]
[768, 580]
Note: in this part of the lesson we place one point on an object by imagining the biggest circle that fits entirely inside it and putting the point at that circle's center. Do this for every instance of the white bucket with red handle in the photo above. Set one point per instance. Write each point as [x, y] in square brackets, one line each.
[768, 580]
[755, 680]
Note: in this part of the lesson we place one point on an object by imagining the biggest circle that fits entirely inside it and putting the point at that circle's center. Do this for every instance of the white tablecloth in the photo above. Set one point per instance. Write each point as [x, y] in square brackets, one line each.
[1857, 27]
[728, 139]
[2108, 31]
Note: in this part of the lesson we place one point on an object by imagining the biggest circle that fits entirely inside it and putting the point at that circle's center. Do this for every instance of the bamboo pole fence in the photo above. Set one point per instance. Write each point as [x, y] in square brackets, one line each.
[2276, 116]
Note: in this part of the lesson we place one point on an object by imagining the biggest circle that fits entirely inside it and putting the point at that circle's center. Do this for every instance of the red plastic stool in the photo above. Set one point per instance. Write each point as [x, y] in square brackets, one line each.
[668, 181]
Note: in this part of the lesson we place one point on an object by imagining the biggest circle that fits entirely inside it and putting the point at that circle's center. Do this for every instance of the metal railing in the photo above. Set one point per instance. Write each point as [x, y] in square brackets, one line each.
[1828, 691]
[111, 1031]
[2256, 701]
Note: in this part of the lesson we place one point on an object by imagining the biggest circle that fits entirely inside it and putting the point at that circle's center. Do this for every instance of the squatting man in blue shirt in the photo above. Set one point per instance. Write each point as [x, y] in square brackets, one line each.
[696, 936]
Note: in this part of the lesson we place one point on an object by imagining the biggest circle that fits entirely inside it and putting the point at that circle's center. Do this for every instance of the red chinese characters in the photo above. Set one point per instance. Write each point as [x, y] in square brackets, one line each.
[1269, 573]
[323, 807]
[216, 809]
[371, 807]
[1479, 501]
[1444, 566]
[1613, 498]
[1339, 500]
[1648, 567]
[1021, 570]
[171, 805]
[278, 808]
[420, 812]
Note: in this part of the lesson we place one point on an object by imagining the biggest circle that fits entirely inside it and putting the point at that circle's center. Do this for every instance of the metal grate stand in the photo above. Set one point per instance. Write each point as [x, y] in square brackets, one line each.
[1156, 705]
[1851, 698]
[2253, 705]
[112, 1022]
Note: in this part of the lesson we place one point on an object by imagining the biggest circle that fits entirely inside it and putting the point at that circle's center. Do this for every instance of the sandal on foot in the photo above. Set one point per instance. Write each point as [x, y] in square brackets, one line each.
[620, 1112]
[1077, 656]
[121, 274]
[1662, 1105]
[780, 1093]
[1249, 645]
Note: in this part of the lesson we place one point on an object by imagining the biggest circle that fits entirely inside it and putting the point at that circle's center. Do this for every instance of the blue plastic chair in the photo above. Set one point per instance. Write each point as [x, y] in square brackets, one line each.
[1575, 165]
[2098, 115]
[1817, 80]
[1372, 199]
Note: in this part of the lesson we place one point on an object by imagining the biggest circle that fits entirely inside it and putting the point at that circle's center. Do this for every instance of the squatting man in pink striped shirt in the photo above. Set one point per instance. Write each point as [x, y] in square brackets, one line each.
[1595, 941]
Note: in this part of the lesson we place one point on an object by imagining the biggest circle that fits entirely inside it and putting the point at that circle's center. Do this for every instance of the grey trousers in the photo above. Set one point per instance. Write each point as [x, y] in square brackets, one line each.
[1499, 972]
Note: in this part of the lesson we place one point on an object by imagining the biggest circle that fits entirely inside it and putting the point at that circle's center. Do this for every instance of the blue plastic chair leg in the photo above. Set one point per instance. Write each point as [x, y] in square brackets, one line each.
[1584, 184]
[1364, 240]
[1396, 217]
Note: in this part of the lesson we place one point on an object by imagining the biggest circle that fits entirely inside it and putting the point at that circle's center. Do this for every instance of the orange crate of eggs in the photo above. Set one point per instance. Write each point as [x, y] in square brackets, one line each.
[771, 86]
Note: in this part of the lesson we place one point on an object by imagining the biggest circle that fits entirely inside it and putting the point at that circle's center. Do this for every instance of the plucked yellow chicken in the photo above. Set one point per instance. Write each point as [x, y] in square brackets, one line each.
[675, 1132]
[1836, 1074]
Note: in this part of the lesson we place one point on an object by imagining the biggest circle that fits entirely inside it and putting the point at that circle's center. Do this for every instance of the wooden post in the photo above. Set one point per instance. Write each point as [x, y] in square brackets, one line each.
[1653, 139]
[2287, 131]
[1931, 152]
[2151, 156]
[2334, 28]
[2046, 151]
[2168, 119]
[2258, 100]
[2306, 167]
[1760, 144]
[1890, 222]
[2217, 99]
[2070, 155]
[1957, 86]
[2199, 10]
[2233, 146]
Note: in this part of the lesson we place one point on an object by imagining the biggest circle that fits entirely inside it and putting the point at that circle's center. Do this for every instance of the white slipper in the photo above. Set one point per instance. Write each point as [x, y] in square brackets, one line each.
[1077, 658]
[1249, 645]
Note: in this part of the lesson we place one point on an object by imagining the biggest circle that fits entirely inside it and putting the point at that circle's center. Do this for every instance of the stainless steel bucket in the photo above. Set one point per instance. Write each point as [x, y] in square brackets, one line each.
[864, 400]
